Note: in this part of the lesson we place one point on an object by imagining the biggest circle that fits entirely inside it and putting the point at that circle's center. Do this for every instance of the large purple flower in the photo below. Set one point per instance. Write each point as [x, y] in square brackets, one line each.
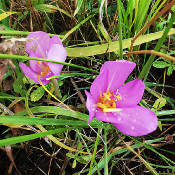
[111, 101]
[40, 45]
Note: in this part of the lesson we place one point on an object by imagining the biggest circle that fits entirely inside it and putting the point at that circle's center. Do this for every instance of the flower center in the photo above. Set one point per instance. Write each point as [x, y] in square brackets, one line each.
[107, 102]
[44, 67]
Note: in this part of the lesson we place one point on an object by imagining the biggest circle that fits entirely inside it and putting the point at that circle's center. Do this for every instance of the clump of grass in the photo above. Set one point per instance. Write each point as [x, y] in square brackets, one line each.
[38, 125]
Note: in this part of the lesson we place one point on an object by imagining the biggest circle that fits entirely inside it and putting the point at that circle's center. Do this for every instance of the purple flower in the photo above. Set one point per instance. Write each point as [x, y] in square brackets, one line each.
[111, 101]
[40, 45]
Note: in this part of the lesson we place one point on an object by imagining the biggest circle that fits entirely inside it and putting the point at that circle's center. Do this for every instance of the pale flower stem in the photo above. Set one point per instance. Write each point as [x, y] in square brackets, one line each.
[56, 88]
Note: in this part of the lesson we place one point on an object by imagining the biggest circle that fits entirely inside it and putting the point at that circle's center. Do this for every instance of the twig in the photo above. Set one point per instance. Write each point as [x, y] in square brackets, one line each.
[79, 93]
[153, 52]
[5, 109]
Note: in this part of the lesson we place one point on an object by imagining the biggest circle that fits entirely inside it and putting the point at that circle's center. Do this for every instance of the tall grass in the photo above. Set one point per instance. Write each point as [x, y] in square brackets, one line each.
[92, 33]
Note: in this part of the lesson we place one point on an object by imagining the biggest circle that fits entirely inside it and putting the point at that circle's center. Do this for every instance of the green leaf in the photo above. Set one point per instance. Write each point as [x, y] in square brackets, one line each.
[6, 14]
[144, 6]
[17, 85]
[49, 121]
[173, 66]
[70, 155]
[165, 112]
[34, 2]
[74, 164]
[55, 110]
[170, 71]
[79, 4]
[160, 125]
[113, 46]
[37, 94]
[46, 8]
[173, 8]
[68, 75]
[159, 103]
[81, 160]
[50, 9]
[14, 140]
[160, 64]
[172, 52]
[163, 51]
[8, 74]
[87, 157]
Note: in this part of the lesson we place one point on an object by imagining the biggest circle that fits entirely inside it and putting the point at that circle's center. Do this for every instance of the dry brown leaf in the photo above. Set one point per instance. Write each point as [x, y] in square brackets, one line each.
[9, 152]
[169, 138]
[7, 84]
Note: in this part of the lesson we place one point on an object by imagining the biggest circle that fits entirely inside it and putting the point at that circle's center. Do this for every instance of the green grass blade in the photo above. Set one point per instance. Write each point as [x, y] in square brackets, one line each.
[147, 66]
[120, 29]
[14, 140]
[48, 121]
[2, 56]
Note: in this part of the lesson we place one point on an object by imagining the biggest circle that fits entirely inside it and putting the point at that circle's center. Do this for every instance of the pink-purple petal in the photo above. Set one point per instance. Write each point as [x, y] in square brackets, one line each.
[34, 64]
[55, 40]
[131, 93]
[136, 121]
[110, 117]
[99, 85]
[118, 71]
[50, 74]
[38, 43]
[32, 74]
[91, 106]
[56, 53]
[29, 72]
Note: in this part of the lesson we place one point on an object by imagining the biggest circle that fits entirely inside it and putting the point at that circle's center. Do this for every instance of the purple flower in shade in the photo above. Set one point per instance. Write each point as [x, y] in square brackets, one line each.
[111, 101]
[40, 45]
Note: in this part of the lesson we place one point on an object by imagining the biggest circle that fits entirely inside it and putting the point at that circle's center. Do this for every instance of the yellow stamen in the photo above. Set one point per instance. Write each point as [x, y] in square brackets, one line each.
[101, 105]
[107, 102]
[111, 109]
[46, 70]
[113, 105]
[107, 95]
[43, 74]
[118, 97]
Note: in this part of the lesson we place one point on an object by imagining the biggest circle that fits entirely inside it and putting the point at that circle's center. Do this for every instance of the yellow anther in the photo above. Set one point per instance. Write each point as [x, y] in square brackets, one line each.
[118, 97]
[101, 105]
[111, 109]
[43, 74]
[113, 105]
[107, 96]
[107, 102]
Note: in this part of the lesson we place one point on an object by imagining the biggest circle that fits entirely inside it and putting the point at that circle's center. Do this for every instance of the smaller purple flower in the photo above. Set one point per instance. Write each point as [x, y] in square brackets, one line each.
[111, 101]
[40, 45]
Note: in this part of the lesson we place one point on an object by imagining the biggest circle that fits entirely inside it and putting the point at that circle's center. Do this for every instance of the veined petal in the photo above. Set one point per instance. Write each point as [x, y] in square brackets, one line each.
[32, 74]
[29, 72]
[118, 71]
[56, 53]
[109, 117]
[131, 93]
[55, 40]
[34, 64]
[136, 121]
[91, 106]
[39, 43]
[99, 85]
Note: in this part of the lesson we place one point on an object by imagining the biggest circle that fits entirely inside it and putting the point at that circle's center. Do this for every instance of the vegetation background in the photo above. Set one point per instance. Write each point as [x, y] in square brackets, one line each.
[40, 135]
